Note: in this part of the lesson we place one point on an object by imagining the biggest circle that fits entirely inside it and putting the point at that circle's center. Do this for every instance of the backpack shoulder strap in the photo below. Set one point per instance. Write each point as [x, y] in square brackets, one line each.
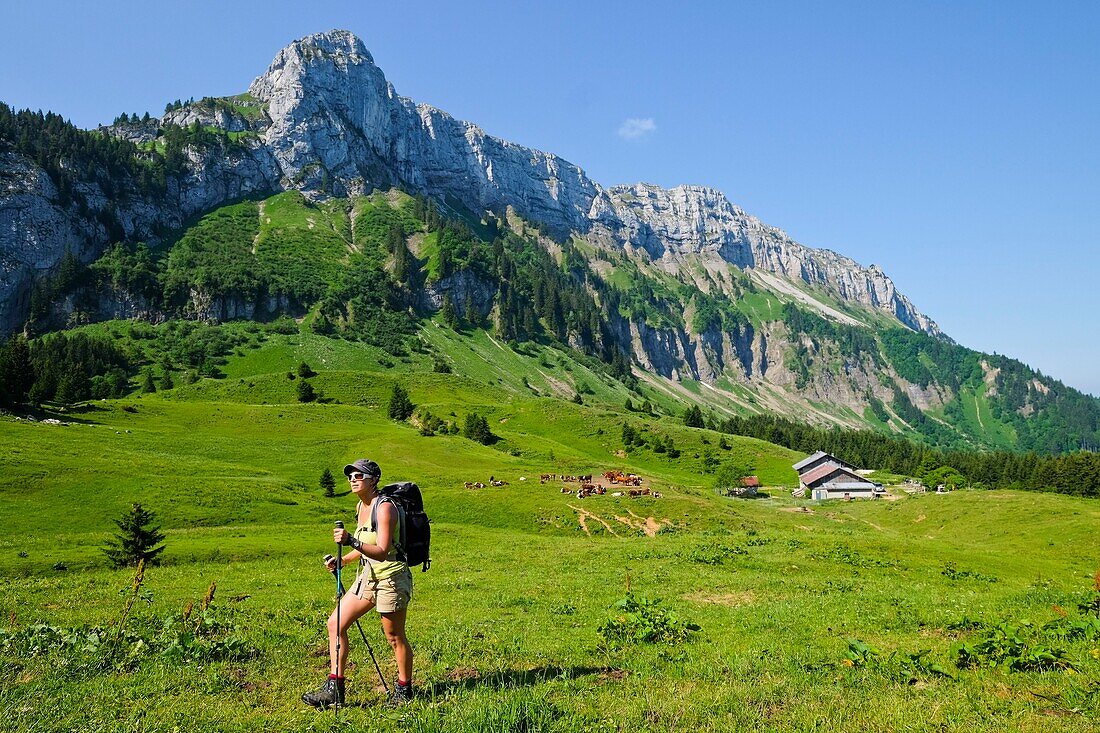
[400, 518]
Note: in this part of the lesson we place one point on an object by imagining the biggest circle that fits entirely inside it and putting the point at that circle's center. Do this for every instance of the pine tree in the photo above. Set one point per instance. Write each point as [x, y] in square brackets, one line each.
[328, 483]
[477, 429]
[306, 392]
[471, 315]
[16, 371]
[73, 385]
[448, 312]
[136, 540]
[166, 381]
[693, 417]
[305, 371]
[148, 386]
[401, 407]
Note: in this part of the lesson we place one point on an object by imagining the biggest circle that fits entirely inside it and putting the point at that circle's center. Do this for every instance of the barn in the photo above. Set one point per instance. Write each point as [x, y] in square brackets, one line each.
[823, 476]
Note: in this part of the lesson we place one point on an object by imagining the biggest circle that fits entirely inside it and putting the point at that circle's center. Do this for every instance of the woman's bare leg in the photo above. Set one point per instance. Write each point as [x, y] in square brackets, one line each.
[352, 607]
[393, 624]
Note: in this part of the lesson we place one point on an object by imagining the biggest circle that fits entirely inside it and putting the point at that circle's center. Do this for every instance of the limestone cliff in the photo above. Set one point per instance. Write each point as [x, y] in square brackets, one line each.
[324, 120]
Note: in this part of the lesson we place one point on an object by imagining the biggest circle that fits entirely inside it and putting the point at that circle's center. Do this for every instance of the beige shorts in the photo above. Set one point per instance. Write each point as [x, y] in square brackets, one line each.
[388, 595]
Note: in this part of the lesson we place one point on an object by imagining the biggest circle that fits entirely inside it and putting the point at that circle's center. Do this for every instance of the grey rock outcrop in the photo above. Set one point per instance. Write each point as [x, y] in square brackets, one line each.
[212, 114]
[35, 233]
[670, 224]
[36, 230]
[338, 126]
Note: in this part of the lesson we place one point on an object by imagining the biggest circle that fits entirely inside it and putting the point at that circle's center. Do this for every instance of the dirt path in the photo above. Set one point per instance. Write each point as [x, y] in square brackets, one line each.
[739, 598]
[260, 216]
[649, 525]
[583, 516]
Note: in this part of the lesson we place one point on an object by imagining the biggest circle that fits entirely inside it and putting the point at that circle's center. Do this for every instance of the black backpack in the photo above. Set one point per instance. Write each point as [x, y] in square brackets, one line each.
[413, 546]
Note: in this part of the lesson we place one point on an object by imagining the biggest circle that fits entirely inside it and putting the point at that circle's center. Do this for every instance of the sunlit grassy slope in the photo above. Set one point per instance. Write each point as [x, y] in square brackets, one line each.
[506, 623]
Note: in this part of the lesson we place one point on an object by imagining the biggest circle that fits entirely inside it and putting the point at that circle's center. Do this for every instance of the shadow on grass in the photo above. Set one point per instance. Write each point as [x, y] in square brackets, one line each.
[62, 413]
[469, 679]
[465, 679]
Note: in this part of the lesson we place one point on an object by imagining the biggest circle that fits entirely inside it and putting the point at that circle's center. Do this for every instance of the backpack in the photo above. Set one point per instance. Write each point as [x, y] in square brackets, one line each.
[413, 546]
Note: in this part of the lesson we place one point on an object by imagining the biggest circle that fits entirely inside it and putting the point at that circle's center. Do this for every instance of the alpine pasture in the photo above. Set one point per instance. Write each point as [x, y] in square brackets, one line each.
[541, 612]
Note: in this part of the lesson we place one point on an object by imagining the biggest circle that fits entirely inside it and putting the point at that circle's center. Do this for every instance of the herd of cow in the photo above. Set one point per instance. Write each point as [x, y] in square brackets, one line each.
[478, 485]
[587, 488]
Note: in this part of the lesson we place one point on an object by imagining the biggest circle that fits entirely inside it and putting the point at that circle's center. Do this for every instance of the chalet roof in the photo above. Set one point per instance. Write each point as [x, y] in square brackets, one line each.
[748, 481]
[816, 457]
[828, 469]
[807, 461]
[818, 473]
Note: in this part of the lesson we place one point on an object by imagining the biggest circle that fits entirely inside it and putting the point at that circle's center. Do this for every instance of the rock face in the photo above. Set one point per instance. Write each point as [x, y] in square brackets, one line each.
[332, 125]
[669, 224]
[336, 121]
[36, 231]
[34, 234]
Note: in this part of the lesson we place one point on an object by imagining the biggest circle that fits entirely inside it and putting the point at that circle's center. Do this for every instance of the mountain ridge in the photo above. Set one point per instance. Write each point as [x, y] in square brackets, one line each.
[331, 124]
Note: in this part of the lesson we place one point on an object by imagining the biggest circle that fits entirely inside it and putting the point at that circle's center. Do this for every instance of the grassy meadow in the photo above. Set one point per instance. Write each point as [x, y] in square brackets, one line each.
[811, 615]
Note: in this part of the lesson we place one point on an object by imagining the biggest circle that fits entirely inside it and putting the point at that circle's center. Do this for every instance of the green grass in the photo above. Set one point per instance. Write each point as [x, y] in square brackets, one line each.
[505, 625]
[979, 420]
[760, 307]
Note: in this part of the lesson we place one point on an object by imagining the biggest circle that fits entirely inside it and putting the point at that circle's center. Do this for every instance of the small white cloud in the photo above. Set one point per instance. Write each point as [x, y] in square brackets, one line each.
[634, 128]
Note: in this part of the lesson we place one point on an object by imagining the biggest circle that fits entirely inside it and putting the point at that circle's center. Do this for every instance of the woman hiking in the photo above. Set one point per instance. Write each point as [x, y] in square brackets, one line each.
[383, 582]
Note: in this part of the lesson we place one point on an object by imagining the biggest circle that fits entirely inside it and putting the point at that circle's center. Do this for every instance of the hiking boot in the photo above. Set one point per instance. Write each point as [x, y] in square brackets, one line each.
[401, 695]
[328, 694]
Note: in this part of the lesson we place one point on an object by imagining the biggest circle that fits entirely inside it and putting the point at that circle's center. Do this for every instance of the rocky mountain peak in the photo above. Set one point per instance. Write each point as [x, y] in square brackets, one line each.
[328, 123]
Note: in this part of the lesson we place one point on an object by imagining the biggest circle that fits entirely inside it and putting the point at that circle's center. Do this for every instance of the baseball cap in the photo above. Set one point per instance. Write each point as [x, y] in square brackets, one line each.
[364, 465]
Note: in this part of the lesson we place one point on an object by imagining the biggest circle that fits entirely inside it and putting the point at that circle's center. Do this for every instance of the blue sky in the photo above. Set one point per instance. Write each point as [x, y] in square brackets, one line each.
[956, 145]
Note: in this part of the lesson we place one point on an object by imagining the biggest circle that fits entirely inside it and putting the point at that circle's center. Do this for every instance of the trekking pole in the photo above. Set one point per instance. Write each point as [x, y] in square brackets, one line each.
[339, 597]
[340, 590]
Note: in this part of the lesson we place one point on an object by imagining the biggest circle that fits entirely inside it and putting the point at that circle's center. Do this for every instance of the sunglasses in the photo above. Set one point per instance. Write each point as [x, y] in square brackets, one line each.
[356, 476]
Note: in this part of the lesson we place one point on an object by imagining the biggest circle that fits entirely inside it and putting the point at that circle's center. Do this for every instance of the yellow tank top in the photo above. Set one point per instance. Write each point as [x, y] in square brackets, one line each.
[378, 569]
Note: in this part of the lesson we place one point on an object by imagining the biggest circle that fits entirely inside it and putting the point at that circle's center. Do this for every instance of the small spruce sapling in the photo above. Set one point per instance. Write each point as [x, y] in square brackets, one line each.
[328, 483]
[136, 540]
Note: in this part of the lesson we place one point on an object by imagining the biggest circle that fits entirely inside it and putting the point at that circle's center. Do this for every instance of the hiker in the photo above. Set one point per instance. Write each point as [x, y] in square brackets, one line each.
[383, 582]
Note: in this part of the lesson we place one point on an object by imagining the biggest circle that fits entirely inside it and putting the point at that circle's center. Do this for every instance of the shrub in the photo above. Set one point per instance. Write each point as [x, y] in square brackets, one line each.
[477, 429]
[641, 620]
[1002, 646]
